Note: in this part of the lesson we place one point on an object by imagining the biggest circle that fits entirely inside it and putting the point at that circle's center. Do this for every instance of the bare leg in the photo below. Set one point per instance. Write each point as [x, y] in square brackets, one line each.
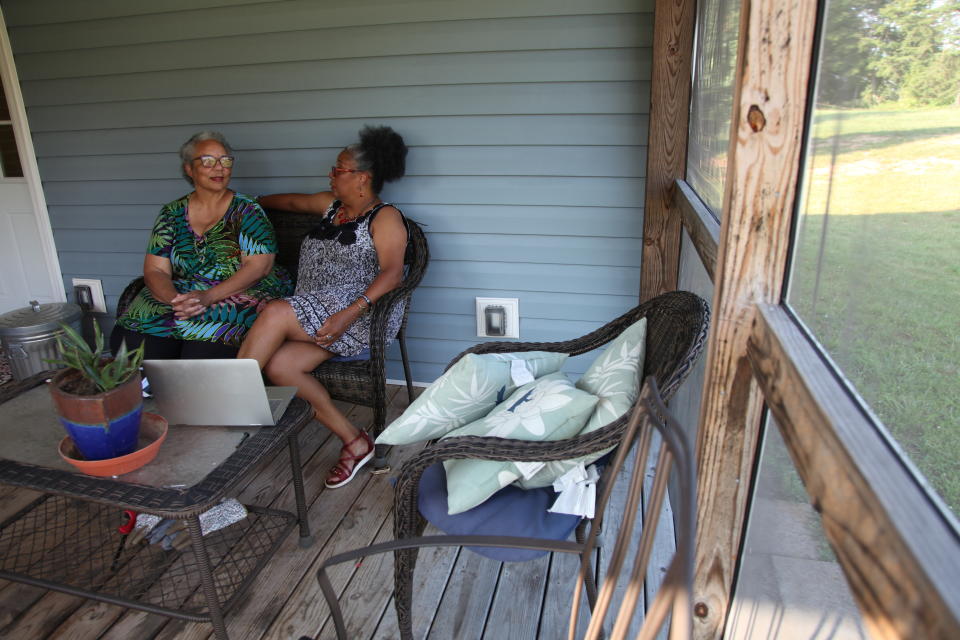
[291, 366]
[276, 324]
[288, 354]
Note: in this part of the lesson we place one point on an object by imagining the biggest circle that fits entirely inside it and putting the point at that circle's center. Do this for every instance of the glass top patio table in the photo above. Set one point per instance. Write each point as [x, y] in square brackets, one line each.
[68, 539]
[31, 432]
[193, 467]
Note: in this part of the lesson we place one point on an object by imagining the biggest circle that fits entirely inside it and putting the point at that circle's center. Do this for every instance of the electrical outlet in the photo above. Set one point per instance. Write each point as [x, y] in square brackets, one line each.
[498, 317]
[96, 291]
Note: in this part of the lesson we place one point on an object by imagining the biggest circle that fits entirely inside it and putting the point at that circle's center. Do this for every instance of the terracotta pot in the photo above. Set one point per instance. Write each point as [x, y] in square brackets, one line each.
[105, 425]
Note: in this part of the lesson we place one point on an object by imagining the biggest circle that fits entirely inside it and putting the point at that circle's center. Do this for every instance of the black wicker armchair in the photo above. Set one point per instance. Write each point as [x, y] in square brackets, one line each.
[359, 381]
[677, 324]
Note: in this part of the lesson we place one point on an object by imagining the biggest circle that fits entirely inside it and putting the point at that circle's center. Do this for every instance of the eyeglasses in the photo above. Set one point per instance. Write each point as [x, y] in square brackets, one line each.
[335, 171]
[209, 162]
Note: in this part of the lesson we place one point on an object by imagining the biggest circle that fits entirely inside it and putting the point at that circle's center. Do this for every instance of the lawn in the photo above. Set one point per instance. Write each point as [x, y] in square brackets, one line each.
[876, 272]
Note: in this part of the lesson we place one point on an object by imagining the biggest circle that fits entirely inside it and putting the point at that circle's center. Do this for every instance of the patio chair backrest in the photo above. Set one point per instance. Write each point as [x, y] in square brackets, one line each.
[650, 422]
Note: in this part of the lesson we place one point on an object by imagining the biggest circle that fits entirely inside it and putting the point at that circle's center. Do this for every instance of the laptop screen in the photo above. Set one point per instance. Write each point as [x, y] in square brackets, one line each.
[228, 392]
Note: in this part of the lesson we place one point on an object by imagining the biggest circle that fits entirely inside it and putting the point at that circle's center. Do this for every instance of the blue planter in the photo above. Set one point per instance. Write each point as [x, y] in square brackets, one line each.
[102, 426]
[116, 438]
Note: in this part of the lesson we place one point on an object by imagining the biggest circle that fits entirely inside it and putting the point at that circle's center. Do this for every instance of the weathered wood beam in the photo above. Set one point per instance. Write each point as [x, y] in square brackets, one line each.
[673, 28]
[901, 558]
[772, 78]
[699, 222]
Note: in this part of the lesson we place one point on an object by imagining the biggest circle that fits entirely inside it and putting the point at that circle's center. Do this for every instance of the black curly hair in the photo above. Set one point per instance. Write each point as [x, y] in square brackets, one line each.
[381, 151]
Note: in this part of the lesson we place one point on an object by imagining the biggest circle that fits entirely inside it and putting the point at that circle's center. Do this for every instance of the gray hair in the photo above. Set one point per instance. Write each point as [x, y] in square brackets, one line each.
[363, 163]
[189, 148]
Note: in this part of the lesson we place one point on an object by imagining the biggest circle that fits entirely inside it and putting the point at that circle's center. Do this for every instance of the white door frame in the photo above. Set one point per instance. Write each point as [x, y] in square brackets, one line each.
[28, 161]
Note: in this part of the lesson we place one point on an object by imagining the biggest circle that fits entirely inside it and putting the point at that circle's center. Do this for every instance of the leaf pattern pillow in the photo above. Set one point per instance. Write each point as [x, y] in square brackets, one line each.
[467, 391]
[549, 408]
[614, 377]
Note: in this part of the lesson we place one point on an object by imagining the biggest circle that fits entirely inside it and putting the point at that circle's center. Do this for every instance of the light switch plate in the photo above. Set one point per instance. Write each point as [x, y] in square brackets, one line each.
[512, 308]
[96, 291]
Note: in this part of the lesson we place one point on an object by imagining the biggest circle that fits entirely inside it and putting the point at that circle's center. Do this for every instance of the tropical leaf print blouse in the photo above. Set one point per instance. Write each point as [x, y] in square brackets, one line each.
[201, 261]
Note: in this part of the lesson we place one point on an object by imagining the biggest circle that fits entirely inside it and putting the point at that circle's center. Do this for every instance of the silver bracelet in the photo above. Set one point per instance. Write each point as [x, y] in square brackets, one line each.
[364, 296]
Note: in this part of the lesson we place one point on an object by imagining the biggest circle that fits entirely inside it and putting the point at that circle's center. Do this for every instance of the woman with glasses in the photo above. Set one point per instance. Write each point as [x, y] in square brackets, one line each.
[209, 264]
[347, 262]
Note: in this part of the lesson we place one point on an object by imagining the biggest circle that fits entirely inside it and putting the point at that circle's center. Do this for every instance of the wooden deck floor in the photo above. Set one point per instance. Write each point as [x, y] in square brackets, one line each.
[473, 597]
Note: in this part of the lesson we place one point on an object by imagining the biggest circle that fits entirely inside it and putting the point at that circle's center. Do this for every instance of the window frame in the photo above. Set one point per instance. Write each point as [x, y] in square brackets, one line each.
[898, 548]
[899, 551]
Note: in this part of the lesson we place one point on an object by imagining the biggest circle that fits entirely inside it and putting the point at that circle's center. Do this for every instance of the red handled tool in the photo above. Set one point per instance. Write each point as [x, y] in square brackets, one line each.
[124, 530]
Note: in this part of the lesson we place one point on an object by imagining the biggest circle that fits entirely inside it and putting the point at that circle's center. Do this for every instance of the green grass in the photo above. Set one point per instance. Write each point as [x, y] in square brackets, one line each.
[884, 121]
[886, 305]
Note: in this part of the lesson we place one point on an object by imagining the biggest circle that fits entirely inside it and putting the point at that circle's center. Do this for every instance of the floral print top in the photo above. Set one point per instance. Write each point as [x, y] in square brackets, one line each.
[201, 261]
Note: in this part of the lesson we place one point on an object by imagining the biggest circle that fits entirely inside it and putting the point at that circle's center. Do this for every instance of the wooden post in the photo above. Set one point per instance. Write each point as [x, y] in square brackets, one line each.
[772, 78]
[673, 27]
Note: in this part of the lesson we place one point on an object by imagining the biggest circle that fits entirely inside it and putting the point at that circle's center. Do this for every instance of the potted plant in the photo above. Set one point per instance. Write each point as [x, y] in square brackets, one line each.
[98, 397]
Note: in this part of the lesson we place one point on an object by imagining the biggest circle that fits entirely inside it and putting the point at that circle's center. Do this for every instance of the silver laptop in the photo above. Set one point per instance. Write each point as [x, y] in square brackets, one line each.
[215, 392]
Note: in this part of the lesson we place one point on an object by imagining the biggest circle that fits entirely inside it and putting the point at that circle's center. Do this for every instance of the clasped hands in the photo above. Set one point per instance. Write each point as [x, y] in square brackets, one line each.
[190, 304]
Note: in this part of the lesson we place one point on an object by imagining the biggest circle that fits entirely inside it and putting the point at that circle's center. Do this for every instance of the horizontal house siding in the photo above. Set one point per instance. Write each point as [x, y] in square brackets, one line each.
[526, 122]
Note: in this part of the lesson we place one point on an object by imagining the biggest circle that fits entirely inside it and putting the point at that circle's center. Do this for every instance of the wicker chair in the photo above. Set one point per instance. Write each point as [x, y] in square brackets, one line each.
[357, 381]
[677, 324]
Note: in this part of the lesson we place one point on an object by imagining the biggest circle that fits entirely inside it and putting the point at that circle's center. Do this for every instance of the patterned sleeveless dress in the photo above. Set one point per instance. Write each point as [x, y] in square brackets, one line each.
[337, 264]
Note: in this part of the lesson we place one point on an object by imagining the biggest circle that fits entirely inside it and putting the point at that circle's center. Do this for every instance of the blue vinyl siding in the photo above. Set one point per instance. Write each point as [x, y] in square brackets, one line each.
[526, 120]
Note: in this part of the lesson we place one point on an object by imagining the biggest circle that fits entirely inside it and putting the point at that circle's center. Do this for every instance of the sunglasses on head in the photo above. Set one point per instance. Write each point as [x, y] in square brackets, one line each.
[209, 162]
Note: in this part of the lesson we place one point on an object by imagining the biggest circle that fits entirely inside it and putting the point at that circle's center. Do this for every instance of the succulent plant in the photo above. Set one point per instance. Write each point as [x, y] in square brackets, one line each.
[98, 371]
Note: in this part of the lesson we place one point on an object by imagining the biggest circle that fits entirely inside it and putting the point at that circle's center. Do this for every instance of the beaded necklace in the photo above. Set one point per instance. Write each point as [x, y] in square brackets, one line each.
[341, 216]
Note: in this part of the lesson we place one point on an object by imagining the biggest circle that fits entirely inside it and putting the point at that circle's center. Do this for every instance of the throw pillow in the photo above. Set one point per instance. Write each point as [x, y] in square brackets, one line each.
[549, 408]
[614, 377]
[468, 391]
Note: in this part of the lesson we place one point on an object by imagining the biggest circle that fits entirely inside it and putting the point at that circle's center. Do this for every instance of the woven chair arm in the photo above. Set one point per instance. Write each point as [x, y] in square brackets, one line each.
[509, 450]
[380, 310]
[509, 347]
[129, 293]
[593, 340]
[380, 313]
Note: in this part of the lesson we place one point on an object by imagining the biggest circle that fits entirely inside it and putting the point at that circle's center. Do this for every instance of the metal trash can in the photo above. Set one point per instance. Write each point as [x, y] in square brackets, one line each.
[29, 335]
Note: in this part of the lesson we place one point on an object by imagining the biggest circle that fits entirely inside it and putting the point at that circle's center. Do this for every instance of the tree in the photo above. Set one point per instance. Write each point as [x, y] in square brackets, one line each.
[844, 61]
[914, 48]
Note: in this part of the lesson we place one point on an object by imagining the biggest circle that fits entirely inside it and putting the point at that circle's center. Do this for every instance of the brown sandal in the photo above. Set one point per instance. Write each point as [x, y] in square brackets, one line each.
[341, 474]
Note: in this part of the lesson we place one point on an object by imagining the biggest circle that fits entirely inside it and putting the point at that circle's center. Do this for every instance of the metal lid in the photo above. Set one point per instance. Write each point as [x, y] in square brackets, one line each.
[37, 318]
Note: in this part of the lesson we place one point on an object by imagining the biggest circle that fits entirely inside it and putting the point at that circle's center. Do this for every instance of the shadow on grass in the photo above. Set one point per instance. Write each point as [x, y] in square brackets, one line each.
[873, 140]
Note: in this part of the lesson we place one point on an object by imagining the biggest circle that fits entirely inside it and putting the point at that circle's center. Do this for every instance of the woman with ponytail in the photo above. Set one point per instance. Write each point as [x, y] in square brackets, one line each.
[347, 262]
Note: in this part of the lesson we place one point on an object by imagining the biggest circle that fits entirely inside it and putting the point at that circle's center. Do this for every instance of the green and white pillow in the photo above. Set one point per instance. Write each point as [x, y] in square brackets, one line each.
[468, 391]
[614, 377]
[549, 408]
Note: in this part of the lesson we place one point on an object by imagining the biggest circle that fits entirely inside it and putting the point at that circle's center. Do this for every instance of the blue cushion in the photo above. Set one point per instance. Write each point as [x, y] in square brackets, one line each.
[363, 355]
[509, 512]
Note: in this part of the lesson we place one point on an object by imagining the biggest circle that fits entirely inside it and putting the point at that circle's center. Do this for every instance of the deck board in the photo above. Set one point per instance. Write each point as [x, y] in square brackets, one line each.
[429, 581]
[458, 594]
[559, 597]
[518, 599]
[466, 598]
